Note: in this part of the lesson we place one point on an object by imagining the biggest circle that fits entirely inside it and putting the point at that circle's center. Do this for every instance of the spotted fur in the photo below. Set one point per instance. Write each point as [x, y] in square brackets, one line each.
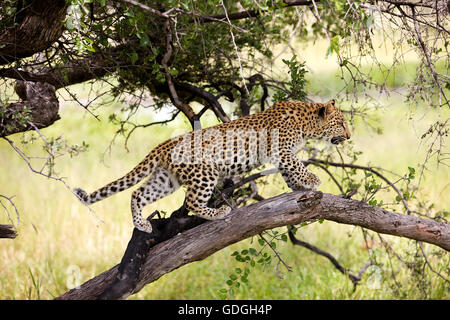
[200, 159]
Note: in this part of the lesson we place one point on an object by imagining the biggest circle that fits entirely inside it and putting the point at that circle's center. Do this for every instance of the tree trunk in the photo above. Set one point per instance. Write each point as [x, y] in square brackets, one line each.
[39, 107]
[286, 209]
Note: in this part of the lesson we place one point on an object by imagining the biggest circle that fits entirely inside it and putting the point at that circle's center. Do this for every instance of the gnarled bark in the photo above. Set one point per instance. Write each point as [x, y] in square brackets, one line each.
[39, 108]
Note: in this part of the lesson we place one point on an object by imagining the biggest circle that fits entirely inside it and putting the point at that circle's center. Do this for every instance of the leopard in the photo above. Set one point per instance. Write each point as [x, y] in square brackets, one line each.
[200, 159]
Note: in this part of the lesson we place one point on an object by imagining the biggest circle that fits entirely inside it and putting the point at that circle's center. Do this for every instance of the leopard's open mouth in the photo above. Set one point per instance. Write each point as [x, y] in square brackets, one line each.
[337, 140]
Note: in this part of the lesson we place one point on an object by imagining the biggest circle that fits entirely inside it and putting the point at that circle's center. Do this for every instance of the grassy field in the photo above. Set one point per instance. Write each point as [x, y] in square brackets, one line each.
[61, 243]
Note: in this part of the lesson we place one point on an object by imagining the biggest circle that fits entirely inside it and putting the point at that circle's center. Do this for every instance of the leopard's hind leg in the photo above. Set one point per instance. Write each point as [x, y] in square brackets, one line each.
[198, 194]
[159, 185]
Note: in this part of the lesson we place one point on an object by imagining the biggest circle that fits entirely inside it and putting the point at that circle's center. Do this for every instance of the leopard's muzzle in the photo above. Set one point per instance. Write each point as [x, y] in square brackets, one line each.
[337, 140]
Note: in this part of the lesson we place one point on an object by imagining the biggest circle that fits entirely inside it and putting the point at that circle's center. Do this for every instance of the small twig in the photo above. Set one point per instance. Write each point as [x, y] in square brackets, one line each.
[354, 279]
[370, 169]
[248, 179]
[13, 205]
[184, 107]
[253, 193]
[147, 8]
[224, 198]
[26, 159]
[332, 177]
[235, 47]
[429, 265]
[288, 268]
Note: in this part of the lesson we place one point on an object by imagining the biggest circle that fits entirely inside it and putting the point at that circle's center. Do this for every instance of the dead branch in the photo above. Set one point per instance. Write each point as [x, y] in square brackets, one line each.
[286, 209]
[355, 279]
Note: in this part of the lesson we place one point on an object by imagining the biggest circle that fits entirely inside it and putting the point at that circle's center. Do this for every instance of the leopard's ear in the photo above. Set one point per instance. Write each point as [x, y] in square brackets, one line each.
[333, 102]
[325, 109]
[322, 112]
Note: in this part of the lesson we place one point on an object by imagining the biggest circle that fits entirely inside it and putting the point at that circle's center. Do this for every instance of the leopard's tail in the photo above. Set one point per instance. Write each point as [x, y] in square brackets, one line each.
[144, 169]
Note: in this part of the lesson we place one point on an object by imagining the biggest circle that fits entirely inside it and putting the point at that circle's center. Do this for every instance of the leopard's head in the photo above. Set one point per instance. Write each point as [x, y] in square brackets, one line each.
[333, 125]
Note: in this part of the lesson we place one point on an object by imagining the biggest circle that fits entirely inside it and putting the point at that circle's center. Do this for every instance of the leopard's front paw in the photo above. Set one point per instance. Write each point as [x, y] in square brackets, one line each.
[312, 182]
[224, 211]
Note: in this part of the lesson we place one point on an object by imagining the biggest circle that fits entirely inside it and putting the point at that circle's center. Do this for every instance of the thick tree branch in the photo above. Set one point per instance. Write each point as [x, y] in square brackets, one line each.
[37, 90]
[247, 13]
[208, 97]
[286, 209]
[358, 213]
[40, 25]
[75, 71]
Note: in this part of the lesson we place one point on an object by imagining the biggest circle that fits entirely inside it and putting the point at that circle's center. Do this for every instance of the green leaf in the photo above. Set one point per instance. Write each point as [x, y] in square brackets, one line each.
[369, 21]
[334, 46]
[134, 57]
